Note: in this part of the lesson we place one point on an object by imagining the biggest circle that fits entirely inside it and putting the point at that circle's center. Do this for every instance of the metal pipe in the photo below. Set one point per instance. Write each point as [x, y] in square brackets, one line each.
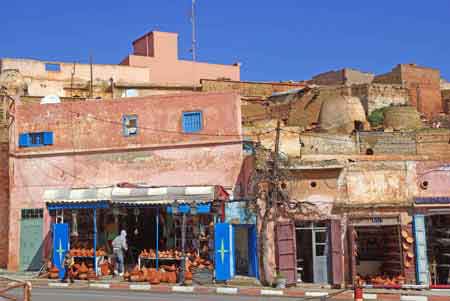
[95, 241]
[157, 239]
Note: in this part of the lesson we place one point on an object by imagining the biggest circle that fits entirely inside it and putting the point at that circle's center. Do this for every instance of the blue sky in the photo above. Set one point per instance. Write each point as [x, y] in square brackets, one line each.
[274, 40]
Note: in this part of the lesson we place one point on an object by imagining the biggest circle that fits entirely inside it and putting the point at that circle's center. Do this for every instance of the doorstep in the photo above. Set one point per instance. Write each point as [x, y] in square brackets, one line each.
[293, 292]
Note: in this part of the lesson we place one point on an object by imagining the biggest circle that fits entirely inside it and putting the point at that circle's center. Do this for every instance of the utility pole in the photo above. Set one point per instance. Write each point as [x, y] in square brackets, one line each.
[275, 164]
[194, 38]
[91, 86]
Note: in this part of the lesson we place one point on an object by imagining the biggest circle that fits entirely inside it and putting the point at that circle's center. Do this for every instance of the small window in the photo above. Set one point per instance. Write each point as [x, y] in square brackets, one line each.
[130, 127]
[35, 139]
[32, 213]
[52, 67]
[192, 122]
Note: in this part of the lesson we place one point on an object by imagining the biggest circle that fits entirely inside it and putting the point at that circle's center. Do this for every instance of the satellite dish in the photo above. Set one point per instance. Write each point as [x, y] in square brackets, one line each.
[50, 99]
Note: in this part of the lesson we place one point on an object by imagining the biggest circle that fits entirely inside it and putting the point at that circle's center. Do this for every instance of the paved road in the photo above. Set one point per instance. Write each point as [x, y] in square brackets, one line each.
[45, 294]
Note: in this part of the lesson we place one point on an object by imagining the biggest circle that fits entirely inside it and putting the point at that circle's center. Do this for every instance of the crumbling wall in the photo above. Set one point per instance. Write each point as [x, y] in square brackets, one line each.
[249, 89]
[446, 100]
[433, 142]
[377, 96]
[378, 183]
[388, 143]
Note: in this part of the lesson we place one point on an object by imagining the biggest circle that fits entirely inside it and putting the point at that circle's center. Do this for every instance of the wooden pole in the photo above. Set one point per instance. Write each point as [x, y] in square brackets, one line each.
[157, 238]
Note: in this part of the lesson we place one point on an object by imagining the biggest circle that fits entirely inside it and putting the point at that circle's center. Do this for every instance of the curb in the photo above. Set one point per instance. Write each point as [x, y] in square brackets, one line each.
[249, 291]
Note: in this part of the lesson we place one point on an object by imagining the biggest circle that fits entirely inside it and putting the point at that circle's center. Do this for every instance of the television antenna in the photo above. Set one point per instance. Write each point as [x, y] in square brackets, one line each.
[194, 37]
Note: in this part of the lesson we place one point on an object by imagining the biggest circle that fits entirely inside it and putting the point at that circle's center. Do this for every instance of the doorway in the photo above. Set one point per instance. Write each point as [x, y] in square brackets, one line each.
[31, 238]
[245, 243]
[312, 240]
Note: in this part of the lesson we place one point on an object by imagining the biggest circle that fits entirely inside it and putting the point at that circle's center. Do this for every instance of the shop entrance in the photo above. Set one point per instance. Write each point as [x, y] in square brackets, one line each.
[245, 250]
[378, 253]
[312, 240]
[438, 232]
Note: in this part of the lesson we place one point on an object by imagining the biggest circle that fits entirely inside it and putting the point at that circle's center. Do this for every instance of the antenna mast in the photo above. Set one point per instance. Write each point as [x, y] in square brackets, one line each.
[194, 39]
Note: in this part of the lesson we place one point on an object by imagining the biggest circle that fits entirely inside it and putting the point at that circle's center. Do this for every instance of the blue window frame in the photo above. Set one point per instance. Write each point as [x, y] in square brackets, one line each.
[52, 67]
[35, 139]
[192, 122]
[130, 125]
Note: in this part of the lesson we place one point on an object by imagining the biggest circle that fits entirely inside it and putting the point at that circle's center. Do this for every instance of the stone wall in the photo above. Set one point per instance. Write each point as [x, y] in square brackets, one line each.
[446, 100]
[344, 76]
[388, 143]
[377, 96]
[248, 89]
[422, 83]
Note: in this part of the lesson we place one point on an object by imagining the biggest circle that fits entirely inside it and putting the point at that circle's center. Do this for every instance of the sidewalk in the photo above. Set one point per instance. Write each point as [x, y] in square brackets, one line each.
[293, 292]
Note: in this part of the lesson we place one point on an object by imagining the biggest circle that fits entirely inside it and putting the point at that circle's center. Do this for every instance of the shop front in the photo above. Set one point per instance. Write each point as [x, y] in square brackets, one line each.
[168, 228]
[381, 250]
[432, 216]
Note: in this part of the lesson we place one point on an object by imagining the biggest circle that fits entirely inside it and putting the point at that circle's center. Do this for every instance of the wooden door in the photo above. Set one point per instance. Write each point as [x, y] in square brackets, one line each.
[286, 251]
[336, 252]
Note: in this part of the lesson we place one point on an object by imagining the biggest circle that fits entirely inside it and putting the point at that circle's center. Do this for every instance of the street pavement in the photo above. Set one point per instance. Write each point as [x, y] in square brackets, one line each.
[46, 294]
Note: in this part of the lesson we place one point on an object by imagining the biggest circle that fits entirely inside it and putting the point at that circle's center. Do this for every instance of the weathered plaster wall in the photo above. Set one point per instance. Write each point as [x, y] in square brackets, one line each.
[4, 203]
[41, 82]
[379, 183]
[81, 125]
[346, 76]
[436, 176]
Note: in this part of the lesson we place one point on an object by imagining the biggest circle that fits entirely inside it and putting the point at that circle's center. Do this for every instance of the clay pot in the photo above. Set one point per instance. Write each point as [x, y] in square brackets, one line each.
[410, 255]
[404, 234]
[83, 268]
[163, 276]
[188, 276]
[135, 278]
[405, 246]
[104, 269]
[171, 277]
[82, 276]
[156, 277]
[409, 240]
[126, 276]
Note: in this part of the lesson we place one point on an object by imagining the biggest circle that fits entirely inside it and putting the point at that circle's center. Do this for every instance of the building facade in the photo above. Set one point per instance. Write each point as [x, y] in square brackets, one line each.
[174, 140]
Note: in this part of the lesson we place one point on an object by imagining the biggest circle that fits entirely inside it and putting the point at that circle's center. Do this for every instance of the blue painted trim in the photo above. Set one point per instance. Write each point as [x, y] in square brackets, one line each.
[157, 239]
[192, 121]
[432, 200]
[95, 241]
[59, 206]
[54, 67]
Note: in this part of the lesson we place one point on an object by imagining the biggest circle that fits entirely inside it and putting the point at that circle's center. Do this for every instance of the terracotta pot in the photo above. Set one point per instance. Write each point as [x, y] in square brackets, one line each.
[164, 277]
[409, 240]
[171, 277]
[135, 278]
[82, 276]
[404, 234]
[54, 275]
[188, 276]
[104, 269]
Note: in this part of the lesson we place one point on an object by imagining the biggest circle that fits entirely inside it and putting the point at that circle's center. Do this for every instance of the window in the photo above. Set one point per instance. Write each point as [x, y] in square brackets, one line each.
[130, 125]
[52, 67]
[192, 122]
[32, 213]
[35, 139]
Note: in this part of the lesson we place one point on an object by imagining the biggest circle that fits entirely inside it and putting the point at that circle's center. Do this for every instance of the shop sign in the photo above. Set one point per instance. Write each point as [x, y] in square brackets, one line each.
[375, 221]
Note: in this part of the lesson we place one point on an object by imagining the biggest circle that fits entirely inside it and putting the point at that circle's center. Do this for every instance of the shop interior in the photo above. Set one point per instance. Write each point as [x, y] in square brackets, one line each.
[148, 229]
[438, 234]
[379, 254]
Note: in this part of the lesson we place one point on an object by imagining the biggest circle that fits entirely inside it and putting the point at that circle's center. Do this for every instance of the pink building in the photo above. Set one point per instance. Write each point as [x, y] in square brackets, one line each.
[173, 140]
[158, 51]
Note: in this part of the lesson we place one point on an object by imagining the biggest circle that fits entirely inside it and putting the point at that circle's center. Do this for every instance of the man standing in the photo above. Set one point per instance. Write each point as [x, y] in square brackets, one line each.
[119, 245]
[68, 264]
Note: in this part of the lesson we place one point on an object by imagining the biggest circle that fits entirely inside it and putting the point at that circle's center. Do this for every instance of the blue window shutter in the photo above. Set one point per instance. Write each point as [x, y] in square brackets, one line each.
[421, 249]
[192, 122]
[24, 140]
[48, 138]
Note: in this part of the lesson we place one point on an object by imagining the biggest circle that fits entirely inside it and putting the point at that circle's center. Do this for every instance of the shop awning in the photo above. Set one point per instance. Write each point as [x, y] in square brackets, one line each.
[167, 195]
[77, 198]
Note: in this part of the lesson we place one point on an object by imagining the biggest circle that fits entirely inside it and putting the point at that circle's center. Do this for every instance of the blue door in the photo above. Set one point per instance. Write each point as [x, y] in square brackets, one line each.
[224, 251]
[60, 246]
[421, 249]
[253, 252]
